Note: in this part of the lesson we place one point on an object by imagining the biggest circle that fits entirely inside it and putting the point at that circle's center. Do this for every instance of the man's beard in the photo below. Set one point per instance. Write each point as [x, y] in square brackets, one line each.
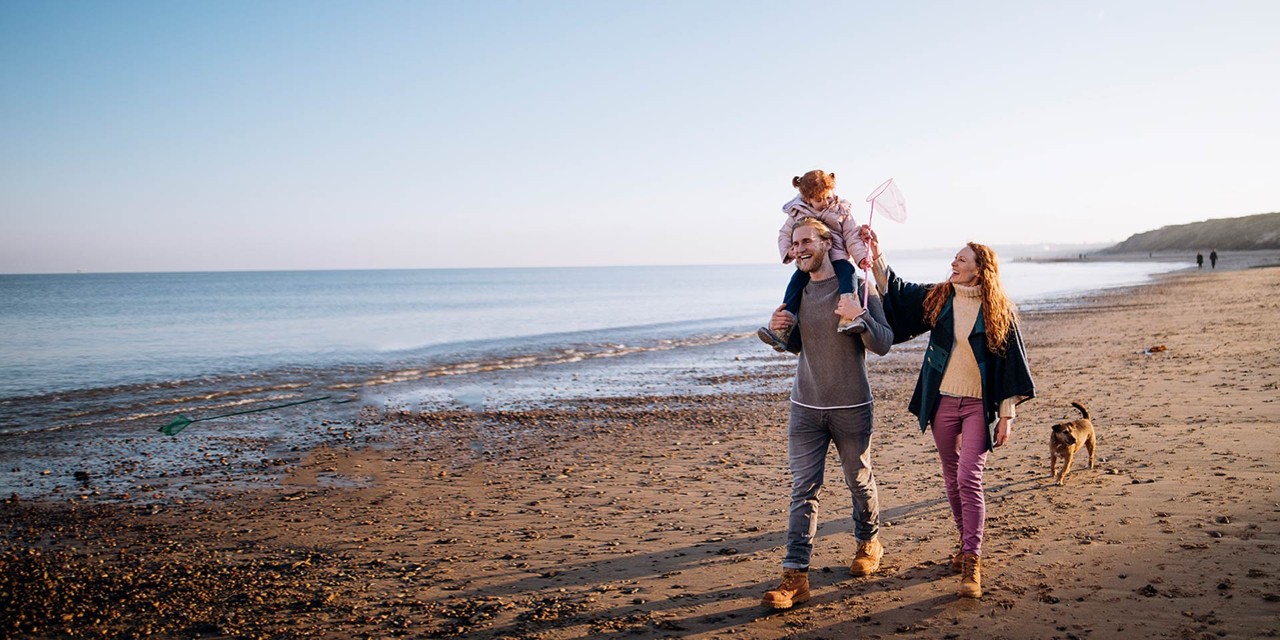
[815, 263]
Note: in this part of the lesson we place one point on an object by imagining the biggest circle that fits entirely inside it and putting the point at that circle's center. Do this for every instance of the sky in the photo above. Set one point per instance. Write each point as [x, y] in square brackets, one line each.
[250, 135]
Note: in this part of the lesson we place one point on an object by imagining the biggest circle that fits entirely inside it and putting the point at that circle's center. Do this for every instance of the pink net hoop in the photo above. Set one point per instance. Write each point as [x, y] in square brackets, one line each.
[887, 200]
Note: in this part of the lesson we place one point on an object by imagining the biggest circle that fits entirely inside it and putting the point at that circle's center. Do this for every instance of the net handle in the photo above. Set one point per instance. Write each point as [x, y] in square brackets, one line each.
[866, 272]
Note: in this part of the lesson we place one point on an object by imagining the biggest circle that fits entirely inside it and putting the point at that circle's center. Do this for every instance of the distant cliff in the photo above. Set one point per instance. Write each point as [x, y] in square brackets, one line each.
[1225, 234]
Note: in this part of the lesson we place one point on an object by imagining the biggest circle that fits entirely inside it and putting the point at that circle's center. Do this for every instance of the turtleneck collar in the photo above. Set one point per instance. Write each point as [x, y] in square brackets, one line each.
[968, 291]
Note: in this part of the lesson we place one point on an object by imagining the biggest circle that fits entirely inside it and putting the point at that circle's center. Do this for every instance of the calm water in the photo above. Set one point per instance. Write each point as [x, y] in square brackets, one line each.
[65, 332]
[77, 348]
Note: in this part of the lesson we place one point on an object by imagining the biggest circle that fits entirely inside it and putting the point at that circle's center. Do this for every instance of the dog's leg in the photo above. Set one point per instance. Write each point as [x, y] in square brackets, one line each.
[1053, 460]
[1090, 443]
[1067, 459]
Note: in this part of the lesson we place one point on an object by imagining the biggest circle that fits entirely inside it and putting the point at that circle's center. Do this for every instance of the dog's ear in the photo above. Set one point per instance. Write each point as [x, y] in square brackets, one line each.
[1057, 428]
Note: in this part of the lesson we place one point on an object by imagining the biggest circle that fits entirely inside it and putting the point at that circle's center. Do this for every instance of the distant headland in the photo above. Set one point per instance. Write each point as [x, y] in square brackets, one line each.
[1248, 233]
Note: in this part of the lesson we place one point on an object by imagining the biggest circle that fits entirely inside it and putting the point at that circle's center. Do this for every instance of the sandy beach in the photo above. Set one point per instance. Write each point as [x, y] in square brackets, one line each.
[662, 514]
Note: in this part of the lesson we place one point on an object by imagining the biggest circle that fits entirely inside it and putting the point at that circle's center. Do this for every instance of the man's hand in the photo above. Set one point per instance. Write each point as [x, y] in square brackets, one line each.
[1002, 431]
[782, 320]
[849, 307]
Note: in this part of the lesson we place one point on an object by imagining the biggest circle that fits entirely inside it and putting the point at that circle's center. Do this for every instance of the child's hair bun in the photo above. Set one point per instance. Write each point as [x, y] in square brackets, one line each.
[813, 183]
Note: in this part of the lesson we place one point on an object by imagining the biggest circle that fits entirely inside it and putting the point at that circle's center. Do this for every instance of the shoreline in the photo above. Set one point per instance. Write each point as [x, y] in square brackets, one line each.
[1227, 260]
[661, 513]
[44, 384]
[91, 431]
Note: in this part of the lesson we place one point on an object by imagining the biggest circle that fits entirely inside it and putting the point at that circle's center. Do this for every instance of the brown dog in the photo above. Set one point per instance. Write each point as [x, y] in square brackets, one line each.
[1066, 440]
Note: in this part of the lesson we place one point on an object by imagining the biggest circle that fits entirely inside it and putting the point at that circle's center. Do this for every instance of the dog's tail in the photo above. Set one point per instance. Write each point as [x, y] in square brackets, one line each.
[1083, 411]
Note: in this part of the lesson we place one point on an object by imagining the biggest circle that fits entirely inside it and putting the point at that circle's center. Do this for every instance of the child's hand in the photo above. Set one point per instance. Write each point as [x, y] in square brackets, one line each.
[849, 307]
[873, 243]
[865, 263]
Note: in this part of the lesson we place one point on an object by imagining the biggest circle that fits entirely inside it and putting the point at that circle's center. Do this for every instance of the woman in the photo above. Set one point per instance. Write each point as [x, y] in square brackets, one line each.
[973, 375]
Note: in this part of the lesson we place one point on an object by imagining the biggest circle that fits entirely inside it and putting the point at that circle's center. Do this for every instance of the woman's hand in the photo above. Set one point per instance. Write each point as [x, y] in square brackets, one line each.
[1002, 430]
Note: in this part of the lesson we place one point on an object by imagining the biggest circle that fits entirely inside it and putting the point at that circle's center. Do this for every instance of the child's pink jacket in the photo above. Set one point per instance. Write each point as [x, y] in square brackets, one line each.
[845, 243]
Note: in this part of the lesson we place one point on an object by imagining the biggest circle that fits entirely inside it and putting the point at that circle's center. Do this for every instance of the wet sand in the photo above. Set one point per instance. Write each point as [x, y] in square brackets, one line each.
[662, 514]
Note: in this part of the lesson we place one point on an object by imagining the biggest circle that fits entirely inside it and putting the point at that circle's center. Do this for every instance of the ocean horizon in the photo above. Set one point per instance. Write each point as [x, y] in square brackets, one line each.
[81, 349]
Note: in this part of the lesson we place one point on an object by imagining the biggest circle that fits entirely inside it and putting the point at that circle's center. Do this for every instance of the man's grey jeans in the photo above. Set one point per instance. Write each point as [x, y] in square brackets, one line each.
[810, 434]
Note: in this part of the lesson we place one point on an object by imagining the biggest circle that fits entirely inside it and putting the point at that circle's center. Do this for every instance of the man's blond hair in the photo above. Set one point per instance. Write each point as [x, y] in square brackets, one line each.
[821, 227]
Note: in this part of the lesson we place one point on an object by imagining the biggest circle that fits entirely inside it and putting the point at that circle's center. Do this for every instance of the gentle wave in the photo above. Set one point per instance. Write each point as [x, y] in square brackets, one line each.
[134, 405]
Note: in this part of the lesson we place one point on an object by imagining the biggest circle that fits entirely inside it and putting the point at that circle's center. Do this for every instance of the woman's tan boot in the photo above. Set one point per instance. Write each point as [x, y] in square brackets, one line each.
[970, 576]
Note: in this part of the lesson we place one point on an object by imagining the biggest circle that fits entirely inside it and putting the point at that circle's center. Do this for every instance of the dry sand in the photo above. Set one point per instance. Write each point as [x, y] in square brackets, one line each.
[664, 517]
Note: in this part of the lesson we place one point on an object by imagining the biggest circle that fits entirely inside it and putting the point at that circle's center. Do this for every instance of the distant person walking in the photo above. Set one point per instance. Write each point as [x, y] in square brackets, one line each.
[973, 375]
[830, 403]
[1199, 260]
[1213, 259]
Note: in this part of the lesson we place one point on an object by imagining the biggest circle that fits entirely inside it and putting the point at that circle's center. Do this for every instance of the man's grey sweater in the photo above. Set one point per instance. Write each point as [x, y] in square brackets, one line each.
[832, 372]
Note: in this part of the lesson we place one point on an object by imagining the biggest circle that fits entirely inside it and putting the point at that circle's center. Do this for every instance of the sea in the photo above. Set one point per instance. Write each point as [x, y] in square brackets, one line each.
[86, 350]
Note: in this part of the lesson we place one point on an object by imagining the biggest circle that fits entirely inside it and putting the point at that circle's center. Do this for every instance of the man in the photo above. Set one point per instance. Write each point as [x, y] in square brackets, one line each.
[830, 402]
[1213, 259]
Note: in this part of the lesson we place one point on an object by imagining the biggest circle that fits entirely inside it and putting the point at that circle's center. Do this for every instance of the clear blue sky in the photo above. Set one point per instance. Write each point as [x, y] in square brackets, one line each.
[173, 136]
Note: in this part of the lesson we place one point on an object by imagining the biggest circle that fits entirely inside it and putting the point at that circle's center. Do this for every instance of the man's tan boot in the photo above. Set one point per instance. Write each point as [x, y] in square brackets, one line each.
[971, 577]
[867, 559]
[793, 590]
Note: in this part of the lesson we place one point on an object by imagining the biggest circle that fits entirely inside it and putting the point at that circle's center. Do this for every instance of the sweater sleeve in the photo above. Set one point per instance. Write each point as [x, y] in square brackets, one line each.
[878, 338]
[1008, 408]
[880, 271]
[853, 244]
